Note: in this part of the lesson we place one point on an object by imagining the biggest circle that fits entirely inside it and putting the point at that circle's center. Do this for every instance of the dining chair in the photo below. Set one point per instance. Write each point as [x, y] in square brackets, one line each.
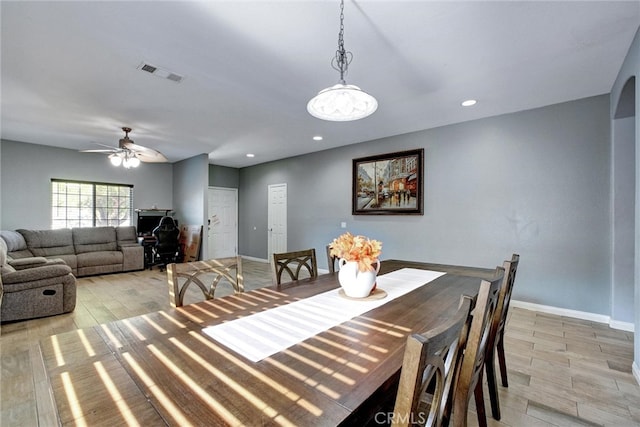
[331, 260]
[428, 370]
[293, 263]
[181, 276]
[496, 337]
[469, 376]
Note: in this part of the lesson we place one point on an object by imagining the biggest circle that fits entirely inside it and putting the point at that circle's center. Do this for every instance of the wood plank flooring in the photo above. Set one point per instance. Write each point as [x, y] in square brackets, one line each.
[562, 371]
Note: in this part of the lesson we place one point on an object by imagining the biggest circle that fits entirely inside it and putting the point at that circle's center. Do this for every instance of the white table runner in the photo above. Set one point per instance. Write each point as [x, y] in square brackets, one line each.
[263, 334]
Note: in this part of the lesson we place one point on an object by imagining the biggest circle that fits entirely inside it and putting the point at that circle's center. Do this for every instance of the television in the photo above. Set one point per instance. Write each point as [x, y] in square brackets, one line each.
[146, 224]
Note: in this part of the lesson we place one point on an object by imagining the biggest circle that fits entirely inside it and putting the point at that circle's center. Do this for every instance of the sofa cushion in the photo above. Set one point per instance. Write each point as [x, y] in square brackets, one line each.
[49, 242]
[15, 244]
[126, 235]
[93, 239]
[20, 254]
[92, 259]
[14, 240]
[70, 260]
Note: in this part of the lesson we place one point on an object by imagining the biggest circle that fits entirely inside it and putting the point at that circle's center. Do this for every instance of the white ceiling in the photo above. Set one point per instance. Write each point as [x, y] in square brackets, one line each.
[70, 69]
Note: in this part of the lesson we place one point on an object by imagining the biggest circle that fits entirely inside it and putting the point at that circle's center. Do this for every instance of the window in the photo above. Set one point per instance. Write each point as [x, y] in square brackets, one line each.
[90, 204]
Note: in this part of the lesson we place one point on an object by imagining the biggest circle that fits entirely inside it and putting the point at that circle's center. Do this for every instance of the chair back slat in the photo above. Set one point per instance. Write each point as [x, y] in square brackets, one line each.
[469, 380]
[428, 371]
[183, 275]
[511, 268]
[495, 346]
[331, 260]
[293, 263]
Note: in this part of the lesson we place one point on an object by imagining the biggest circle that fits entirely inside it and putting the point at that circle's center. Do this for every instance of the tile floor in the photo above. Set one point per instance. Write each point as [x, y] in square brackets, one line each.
[562, 371]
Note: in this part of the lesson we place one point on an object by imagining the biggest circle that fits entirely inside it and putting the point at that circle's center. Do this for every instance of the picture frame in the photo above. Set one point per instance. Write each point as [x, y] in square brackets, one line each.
[389, 184]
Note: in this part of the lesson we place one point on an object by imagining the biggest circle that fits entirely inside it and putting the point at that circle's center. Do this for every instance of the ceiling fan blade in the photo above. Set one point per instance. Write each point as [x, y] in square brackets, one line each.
[107, 149]
[153, 157]
[99, 151]
[126, 148]
[104, 145]
[145, 154]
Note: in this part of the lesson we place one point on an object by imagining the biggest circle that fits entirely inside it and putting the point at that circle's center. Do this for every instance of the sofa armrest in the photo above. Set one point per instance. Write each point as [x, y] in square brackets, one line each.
[35, 273]
[133, 257]
[38, 261]
[128, 245]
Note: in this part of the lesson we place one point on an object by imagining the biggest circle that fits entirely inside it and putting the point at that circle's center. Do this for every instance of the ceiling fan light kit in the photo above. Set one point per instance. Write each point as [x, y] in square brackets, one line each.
[342, 102]
[126, 159]
[129, 155]
[115, 159]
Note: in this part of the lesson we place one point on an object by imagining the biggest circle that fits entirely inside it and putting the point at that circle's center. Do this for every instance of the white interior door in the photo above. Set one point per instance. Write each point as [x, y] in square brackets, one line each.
[277, 220]
[222, 232]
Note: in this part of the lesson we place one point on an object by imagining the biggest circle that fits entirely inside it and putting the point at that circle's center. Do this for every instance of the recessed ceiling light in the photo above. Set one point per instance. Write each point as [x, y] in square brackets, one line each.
[469, 102]
[317, 138]
[250, 155]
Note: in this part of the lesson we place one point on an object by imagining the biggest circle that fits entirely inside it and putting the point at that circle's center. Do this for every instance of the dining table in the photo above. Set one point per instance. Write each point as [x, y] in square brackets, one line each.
[169, 368]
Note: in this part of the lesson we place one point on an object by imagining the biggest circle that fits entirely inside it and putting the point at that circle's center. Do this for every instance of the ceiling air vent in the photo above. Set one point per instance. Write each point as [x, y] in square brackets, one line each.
[174, 77]
[160, 72]
[148, 68]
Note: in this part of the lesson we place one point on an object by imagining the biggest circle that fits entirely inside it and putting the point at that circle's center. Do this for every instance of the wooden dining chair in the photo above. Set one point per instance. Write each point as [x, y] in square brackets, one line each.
[331, 260]
[496, 337]
[428, 370]
[181, 276]
[469, 378]
[293, 263]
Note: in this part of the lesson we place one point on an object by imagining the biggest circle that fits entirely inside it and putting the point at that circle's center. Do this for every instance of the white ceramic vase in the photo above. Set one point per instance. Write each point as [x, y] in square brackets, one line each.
[356, 283]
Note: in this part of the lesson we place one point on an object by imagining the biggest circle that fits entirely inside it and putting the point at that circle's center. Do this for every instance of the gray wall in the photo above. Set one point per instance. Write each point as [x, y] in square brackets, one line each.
[26, 171]
[535, 183]
[190, 179]
[631, 69]
[221, 176]
[623, 227]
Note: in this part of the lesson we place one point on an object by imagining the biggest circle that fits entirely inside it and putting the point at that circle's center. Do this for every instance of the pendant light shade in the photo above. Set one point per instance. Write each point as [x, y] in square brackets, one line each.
[342, 102]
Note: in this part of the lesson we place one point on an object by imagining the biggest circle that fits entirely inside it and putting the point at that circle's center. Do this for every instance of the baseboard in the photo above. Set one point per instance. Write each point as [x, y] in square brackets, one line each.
[600, 318]
[250, 258]
[623, 326]
[636, 372]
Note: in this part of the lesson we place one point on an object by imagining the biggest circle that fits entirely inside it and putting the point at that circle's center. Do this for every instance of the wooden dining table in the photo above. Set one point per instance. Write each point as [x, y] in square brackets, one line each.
[161, 369]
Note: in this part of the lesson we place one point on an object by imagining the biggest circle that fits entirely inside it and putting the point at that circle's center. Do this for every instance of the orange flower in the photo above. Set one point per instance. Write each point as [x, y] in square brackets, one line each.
[356, 248]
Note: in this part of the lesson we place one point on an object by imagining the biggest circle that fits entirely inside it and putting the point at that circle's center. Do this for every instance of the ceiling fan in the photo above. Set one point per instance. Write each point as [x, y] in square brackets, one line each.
[128, 154]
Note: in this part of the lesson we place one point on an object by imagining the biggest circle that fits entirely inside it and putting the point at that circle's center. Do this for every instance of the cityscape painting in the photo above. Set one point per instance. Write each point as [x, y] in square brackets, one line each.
[388, 184]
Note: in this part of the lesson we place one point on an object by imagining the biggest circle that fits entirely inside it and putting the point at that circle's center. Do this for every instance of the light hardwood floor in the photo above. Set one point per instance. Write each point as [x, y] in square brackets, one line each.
[562, 371]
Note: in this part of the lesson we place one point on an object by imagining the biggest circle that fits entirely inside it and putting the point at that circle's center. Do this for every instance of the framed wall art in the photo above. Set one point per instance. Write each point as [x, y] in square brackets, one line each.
[389, 184]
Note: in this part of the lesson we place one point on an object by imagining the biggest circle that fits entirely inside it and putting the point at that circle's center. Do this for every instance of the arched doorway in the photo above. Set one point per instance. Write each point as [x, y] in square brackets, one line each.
[623, 208]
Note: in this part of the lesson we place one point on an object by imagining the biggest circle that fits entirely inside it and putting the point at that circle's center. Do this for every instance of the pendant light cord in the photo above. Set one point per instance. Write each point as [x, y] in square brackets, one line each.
[342, 102]
[342, 59]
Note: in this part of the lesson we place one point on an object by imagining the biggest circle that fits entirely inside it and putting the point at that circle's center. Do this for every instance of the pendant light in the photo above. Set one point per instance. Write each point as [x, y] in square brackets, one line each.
[342, 102]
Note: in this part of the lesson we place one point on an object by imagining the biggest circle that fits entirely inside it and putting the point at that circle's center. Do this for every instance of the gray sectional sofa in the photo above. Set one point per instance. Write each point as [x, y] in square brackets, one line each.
[34, 287]
[38, 268]
[87, 250]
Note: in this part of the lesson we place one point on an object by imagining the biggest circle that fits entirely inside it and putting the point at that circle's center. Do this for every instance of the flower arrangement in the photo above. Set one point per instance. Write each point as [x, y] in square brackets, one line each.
[356, 248]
